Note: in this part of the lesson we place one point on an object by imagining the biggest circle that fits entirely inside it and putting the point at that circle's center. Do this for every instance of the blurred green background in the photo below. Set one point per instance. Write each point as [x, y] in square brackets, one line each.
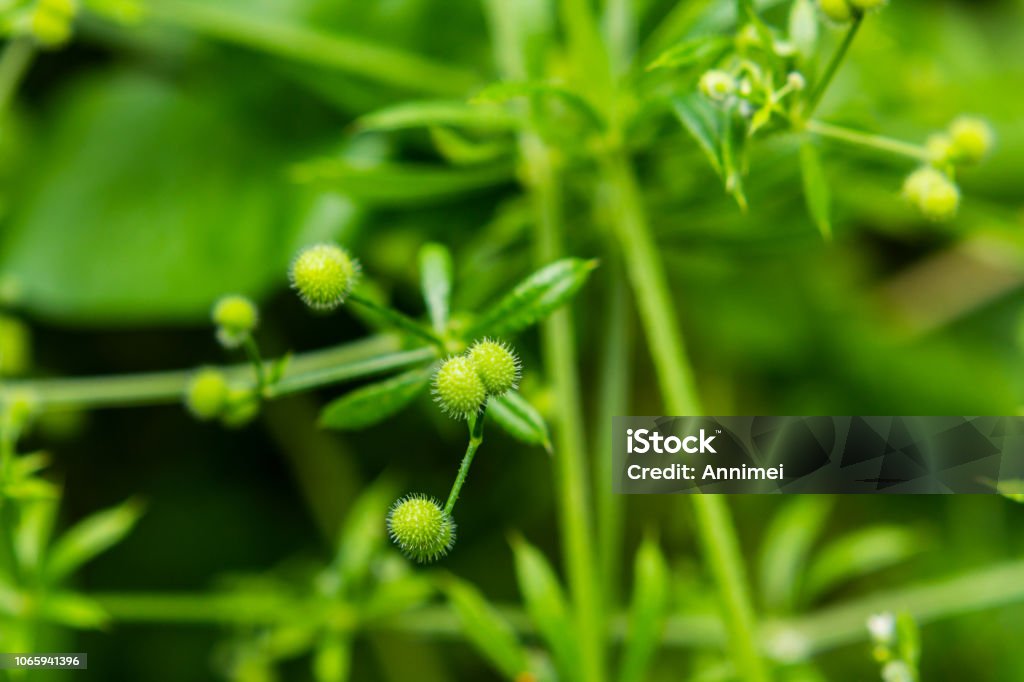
[148, 168]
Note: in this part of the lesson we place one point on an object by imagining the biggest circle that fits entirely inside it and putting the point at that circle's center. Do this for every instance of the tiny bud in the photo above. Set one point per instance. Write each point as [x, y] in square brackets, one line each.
[867, 5]
[717, 85]
[421, 528]
[235, 317]
[207, 394]
[796, 80]
[939, 147]
[323, 275]
[496, 365]
[458, 388]
[836, 10]
[933, 193]
[882, 627]
[972, 139]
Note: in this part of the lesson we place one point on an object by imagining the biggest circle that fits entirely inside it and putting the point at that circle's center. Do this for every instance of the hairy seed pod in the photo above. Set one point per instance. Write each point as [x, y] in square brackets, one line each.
[496, 364]
[971, 138]
[323, 275]
[717, 85]
[934, 194]
[940, 148]
[421, 528]
[207, 394]
[235, 317]
[838, 11]
[458, 388]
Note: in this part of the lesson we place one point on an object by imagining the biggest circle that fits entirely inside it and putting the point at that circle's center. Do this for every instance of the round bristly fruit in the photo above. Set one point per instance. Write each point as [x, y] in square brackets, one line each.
[934, 194]
[235, 317]
[421, 528]
[323, 275]
[496, 364]
[971, 139]
[207, 394]
[458, 388]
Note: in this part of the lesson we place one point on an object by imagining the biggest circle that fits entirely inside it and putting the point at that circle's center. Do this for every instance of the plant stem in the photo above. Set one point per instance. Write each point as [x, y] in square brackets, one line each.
[253, 351]
[14, 63]
[571, 470]
[657, 314]
[305, 372]
[857, 138]
[398, 320]
[833, 66]
[476, 437]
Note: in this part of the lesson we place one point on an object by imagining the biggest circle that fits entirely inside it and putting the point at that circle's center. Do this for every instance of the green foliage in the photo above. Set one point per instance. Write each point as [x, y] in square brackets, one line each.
[376, 402]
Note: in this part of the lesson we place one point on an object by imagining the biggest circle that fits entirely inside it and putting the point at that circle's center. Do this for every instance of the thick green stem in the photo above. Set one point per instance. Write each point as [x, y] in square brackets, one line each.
[657, 314]
[476, 437]
[871, 141]
[833, 66]
[571, 469]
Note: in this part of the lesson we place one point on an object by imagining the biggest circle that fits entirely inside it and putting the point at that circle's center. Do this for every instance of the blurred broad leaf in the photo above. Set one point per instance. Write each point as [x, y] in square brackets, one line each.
[90, 537]
[520, 419]
[546, 603]
[787, 544]
[333, 658]
[436, 280]
[648, 611]
[438, 113]
[73, 610]
[373, 403]
[362, 535]
[816, 191]
[486, 629]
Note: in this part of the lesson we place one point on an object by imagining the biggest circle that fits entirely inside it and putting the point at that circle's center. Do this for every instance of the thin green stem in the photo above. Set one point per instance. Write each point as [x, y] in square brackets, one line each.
[869, 140]
[306, 371]
[253, 351]
[476, 437]
[657, 314]
[398, 320]
[571, 467]
[833, 66]
[14, 63]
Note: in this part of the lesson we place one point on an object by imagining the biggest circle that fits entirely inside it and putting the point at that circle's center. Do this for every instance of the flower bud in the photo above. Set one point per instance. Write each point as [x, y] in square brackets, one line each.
[235, 317]
[972, 139]
[421, 528]
[935, 195]
[458, 388]
[836, 10]
[796, 81]
[207, 394]
[717, 85]
[323, 275]
[496, 365]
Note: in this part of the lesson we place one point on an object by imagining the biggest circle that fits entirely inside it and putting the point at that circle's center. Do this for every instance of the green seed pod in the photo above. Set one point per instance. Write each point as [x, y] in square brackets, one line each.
[323, 275]
[867, 5]
[235, 317]
[839, 11]
[935, 195]
[15, 347]
[421, 528]
[940, 148]
[458, 388]
[717, 85]
[207, 394]
[971, 138]
[496, 365]
[241, 406]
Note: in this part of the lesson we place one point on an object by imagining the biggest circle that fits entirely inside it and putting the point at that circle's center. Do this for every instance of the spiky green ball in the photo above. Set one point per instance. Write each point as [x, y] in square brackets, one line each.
[496, 365]
[458, 388]
[421, 528]
[323, 275]
[934, 194]
[235, 317]
[972, 139]
[207, 394]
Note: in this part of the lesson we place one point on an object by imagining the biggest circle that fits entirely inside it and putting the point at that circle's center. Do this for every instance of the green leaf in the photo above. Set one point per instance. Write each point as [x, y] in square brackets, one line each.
[509, 90]
[700, 119]
[785, 546]
[73, 610]
[461, 150]
[91, 537]
[734, 139]
[692, 51]
[546, 603]
[908, 635]
[332, 660]
[439, 113]
[648, 611]
[535, 297]
[395, 184]
[376, 402]
[860, 553]
[803, 29]
[520, 419]
[436, 280]
[816, 191]
[486, 629]
[35, 528]
[362, 535]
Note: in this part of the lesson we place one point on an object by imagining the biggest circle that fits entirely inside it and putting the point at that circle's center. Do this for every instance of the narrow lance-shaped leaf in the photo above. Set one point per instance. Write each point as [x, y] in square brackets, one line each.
[90, 537]
[486, 629]
[74, 610]
[535, 297]
[546, 603]
[436, 279]
[699, 119]
[362, 534]
[816, 191]
[372, 404]
[734, 138]
[786, 546]
[691, 52]
[520, 419]
[439, 113]
[648, 611]
[332, 660]
[803, 29]
[508, 90]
